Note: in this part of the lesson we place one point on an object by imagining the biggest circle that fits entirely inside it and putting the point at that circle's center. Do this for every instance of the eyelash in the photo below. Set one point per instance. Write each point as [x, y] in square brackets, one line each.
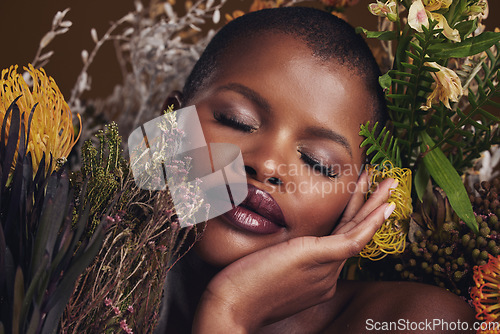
[326, 171]
[234, 122]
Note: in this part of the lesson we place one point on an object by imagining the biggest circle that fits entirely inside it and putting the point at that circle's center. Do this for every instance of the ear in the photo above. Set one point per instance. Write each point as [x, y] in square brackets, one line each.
[175, 99]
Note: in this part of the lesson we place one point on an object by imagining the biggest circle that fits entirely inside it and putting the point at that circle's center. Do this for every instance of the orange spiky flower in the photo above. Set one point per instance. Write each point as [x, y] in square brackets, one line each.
[486, 294]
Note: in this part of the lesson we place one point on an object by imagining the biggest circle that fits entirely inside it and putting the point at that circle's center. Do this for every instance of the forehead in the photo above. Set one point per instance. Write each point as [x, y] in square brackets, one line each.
[265, 53]
[295, 83]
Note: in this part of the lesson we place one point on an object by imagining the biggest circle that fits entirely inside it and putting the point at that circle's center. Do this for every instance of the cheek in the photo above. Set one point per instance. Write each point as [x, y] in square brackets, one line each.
[320, 208]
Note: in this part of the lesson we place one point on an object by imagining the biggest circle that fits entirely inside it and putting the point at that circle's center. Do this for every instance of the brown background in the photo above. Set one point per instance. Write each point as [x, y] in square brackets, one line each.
[24, 22]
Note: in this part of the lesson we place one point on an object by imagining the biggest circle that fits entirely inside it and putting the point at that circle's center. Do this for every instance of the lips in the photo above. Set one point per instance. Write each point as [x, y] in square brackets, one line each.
[258, 213]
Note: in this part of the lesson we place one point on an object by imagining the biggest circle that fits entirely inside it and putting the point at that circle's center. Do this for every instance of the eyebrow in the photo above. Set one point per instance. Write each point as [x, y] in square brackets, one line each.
[321, 132]
[315, 131]
[248, 93]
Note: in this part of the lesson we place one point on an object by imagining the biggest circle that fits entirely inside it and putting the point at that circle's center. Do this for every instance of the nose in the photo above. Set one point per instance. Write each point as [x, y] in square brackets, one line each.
[272, 180]
[267, 159]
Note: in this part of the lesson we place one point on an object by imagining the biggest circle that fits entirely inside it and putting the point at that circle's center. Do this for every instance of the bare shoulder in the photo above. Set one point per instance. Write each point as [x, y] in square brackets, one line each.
[401, 307]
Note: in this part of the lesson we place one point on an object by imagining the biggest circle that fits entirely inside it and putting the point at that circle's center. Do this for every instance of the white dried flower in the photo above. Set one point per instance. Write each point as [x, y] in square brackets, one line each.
[85, 56]
[45, 56]
[49, 36]
[138, 6]
[216, 16]
[169, 10]
[56, 21]
[93, 33]
[62, 31]
[66, 24]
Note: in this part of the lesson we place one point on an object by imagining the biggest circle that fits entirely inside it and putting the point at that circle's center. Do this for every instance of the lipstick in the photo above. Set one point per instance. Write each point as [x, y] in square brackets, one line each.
[258, 213]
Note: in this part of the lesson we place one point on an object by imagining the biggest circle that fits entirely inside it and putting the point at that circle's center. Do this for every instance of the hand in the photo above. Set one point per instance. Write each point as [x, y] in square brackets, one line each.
[280, 281]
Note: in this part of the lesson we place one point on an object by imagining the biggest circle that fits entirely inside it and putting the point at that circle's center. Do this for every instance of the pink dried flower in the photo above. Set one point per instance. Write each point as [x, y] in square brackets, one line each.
[125, 327]
[116, 310]
[108, 302]
[130, 309]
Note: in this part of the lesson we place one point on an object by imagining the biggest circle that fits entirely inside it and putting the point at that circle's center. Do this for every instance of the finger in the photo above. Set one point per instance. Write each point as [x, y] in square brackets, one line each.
[356, 202]
[342, 246]
[378, 197]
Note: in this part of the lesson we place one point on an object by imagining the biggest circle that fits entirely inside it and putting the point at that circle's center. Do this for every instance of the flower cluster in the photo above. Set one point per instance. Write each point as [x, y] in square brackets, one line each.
[44, 112]
[486, 293]
[391, 236]
[447, 86]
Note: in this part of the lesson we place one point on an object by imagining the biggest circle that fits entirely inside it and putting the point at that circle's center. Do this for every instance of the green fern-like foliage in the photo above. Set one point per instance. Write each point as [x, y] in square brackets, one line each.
[105, 168]
[440, 141]
[381, 147]
[411, 81]
[466, 133]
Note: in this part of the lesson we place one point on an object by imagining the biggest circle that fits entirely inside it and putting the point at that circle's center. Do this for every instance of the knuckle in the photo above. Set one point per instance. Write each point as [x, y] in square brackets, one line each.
[355, 246]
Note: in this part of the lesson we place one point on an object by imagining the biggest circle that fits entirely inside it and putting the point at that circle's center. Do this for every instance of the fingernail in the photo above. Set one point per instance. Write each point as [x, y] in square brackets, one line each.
[388, 210]
[393, 186]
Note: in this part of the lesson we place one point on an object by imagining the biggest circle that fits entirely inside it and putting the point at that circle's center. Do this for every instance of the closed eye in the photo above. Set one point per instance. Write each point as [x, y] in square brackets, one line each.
[316, 165]
[233, 122]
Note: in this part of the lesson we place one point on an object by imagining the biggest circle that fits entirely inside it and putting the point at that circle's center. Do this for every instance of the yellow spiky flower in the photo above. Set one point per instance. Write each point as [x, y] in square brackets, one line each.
[391, 236]
[51, 131]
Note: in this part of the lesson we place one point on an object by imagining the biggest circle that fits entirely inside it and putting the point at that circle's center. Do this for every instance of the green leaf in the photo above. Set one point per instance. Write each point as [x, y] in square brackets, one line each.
[50, 220]
[421, 180]
[385, 81]
[35, 320]
[34, 284]
[466, 28]
[469, 47]
[399, 96]
[60, 297]
[446, 177]
[381, 35]
[18, 301]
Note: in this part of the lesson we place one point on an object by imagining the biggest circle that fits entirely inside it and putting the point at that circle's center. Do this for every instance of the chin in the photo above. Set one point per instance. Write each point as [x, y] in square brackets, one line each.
[222, 244]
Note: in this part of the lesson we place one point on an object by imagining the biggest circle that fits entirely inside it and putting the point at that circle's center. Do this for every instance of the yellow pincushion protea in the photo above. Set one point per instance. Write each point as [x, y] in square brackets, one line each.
[51, 129]
[391, 236]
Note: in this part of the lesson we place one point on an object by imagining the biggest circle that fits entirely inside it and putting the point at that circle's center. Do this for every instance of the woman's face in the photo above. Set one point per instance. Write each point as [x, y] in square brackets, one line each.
[296, 120]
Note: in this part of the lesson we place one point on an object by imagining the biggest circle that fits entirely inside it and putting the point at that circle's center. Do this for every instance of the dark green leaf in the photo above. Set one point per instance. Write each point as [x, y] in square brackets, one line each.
[33, 286]
[417, 48]
[446, 177]
[381, 35]
[18, 301]
[489, 116]
[58, 300]
[493, 103]
[35, 320]
[421, 180]
[399, 96]
[11, 147]
[403, 74]
[410, 66]
[465, 133]
[466, 28]
[399, 109]
[469, 47]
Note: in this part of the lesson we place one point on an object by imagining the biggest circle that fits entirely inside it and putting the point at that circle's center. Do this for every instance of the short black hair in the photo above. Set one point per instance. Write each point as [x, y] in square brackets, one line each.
[329, 38]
